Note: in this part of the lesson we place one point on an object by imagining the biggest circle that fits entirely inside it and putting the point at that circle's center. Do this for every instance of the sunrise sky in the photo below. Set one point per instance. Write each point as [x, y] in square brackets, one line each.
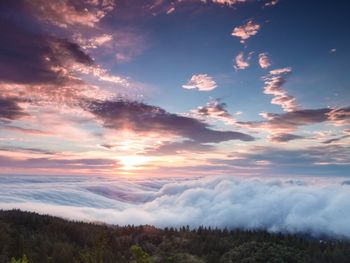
[179, 88]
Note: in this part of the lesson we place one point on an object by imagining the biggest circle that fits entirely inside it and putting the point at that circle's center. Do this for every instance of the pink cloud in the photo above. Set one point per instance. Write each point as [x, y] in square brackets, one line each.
[215, 109]
[246, 31]
[228, 2]
[280, 71]
[264, 61]
[202, 82]
[274, 86]
[64, 13]
[241, 62]
[272, 3]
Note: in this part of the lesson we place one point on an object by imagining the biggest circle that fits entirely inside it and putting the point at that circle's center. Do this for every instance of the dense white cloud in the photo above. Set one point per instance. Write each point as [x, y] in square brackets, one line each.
[305, 205]
[246, 31]
[202, 82]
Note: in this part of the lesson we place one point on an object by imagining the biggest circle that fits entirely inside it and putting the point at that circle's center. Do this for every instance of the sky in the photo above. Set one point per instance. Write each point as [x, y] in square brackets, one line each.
[182, 88]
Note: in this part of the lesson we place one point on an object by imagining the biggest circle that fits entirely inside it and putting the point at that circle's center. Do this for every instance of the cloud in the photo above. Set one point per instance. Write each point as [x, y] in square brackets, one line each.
[173, 148]
[241, 62]
[31, 58]
[24, 130]
[339, 116]
[170, 10]
[305, 206]
[292, 120]
[264, 61]
[66, 13]
[225, 2]
[289, 121]
[143, 118]
[10, 109]
[333, 140]
[272, 3]
[284, 137]
[23, 150]
[246, 31]
[215, 109]
[43, 69]
[281, 71]
[274, 86]
[336, 139]
[93, 42]
[35, 164]
[202, 82]
[324, 160]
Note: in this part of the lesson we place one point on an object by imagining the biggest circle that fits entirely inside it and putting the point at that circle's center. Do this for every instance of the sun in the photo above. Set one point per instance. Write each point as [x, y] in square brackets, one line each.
[133, 162]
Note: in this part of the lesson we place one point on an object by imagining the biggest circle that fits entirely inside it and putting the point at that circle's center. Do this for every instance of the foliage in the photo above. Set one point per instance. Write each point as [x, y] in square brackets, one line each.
[24, 259]
[32, 238]
[140, 255]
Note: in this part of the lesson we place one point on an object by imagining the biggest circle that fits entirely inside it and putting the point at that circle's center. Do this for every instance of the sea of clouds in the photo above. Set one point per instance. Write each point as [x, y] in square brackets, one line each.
[312, 206]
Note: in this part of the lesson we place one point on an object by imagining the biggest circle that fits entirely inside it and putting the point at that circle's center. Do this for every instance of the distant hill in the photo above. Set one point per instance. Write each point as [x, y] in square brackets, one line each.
[33, 238]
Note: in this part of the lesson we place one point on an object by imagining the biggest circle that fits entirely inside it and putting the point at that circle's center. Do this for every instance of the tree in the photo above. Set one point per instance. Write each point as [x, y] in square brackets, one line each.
[140, 255]
[24, 259]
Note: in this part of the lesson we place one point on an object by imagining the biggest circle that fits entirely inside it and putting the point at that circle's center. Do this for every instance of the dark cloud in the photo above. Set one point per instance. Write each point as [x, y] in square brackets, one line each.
[285, 137]
[9, 108]
[336, 139]
[140, 117]
[28, 54]
[289, 121]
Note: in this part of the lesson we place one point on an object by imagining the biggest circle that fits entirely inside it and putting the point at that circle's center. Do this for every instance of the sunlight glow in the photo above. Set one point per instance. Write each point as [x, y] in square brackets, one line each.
[133, 162]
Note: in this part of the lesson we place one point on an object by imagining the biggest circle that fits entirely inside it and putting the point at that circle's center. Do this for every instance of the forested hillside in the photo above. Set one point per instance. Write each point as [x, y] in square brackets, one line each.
[29, 237]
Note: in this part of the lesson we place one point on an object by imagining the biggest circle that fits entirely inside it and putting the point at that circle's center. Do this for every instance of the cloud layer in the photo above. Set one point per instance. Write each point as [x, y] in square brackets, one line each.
[296, 206]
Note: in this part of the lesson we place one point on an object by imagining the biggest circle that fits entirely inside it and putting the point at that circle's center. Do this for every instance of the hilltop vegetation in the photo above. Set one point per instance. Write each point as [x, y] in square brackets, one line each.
[29, 237]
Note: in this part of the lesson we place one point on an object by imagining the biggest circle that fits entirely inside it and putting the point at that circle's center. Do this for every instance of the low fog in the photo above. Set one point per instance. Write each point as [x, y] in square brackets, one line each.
[311, 206]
